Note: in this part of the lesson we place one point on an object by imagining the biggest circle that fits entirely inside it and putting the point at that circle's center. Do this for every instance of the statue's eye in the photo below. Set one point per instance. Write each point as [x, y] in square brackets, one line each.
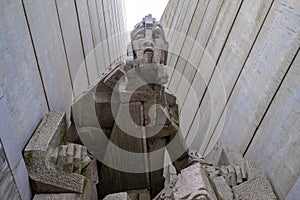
[139, 35]
[156, 34]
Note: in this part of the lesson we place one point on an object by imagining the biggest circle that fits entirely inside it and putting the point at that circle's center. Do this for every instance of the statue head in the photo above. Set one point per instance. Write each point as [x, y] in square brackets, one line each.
[148, 42]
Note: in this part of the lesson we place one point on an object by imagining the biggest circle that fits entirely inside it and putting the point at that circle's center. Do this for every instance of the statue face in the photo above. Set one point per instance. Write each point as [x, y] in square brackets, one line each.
[149, 45]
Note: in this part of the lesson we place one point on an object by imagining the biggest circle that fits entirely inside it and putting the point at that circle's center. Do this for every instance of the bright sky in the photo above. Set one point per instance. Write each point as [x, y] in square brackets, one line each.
[137, 9]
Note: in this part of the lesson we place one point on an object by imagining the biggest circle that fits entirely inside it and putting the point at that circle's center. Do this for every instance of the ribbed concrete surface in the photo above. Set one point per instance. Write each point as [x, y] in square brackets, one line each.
[51, 52]
[233, 69]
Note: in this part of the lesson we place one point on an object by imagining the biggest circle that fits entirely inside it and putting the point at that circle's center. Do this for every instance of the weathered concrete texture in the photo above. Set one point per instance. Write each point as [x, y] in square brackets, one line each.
[209, 56]
[251, 44]
[167, 17]
[279, 131]
[13, 152]
[247, 106]
[107, 10]
[22, 100]
[295, 191]
[179, 33]
[103, 34]
[22, 180]
[8, 189]
[95, 30]
[19, 77]
[231, 62]
[197, 50]
[57, 42]
[72, 40]
[230, 157]
[214, 47]
[50, 52]
[169, 33]
[87, 39]
[8, 136]
[182, 44]
[174, 31]
[186, 63]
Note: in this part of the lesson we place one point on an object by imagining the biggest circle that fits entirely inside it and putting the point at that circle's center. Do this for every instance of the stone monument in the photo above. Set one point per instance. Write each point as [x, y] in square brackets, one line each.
[140, 114]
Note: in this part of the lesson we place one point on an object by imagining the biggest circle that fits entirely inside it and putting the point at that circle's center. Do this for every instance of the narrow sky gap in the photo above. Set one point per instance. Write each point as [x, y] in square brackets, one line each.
[137, 9]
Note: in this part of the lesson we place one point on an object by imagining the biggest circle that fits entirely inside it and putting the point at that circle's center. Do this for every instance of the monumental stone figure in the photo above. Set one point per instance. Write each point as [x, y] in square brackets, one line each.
[140, 114]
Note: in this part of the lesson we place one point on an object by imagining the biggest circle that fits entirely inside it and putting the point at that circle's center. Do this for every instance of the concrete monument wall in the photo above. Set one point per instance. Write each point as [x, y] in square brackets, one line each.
[51, 52]
[234, 66]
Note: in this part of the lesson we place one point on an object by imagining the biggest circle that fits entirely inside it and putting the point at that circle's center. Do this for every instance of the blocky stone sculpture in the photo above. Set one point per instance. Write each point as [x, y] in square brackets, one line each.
[137, 86]
[129, 115]
[234, 178]
[55, 166]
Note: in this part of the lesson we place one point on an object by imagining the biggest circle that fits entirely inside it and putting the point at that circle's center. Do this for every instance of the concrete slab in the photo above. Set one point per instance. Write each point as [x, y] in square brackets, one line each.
[169, 12]
[182, 43]
[19, 78]
[294, 192]
[103, 34]
[260, 78]
[278, 135]
[107, 7]
[50, 52]
[87, 39]
[8, 189]
[22, 180]
[231, 62]
[170, 30]
[95, 29]
[197, 51]
[72, 40]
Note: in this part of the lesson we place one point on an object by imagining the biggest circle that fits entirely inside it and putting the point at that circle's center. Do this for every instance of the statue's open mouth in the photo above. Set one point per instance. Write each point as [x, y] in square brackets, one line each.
[148, 53]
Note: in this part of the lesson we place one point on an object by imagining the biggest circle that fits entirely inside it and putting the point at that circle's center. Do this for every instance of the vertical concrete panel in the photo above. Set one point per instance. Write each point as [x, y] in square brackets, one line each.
[169, 32]
[181, 40]
[261, 76]
[216, 41]
[218, 37]
[169, 13]
[204, 31]
[19, 74]
[177, 34]
[103, 34]
[276, 144]
[173, 33]
[122, 31]
[47, 39]
[96, 34]
[117, 30]
[87, 39]
[234, 55]
[10, 144]
[295, 191]
[8, 189]
[73, 45]
[183, 59]
[107, 9]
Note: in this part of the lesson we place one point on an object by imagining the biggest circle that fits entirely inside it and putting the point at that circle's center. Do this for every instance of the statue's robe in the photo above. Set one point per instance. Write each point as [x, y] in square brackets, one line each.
[142, 121]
